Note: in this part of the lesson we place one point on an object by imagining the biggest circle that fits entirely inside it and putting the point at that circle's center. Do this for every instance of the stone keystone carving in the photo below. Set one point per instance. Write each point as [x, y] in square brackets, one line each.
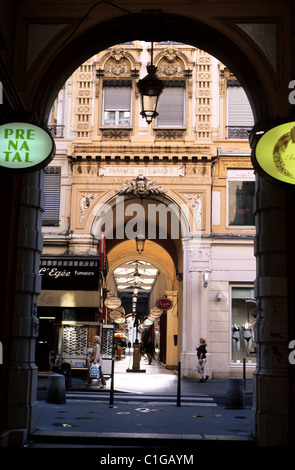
[141, 186]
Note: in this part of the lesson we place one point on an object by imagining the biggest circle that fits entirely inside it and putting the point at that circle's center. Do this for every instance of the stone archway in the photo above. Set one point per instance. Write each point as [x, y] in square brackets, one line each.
[165, 224]
[271, 425]
[70, 49]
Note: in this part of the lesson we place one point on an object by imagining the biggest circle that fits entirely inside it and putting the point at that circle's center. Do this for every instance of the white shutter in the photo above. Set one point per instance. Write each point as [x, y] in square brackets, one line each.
[171, 107]
[239, 112]
[117, 98]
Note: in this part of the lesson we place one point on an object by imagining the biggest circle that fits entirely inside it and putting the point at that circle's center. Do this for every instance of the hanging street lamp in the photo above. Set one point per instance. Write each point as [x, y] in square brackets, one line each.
[150, 88]
[140, 241]
[136, 275]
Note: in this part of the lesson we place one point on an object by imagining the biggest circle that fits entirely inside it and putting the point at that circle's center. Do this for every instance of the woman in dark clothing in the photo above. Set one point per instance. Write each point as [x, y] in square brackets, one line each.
[201, 353]
[150, 350]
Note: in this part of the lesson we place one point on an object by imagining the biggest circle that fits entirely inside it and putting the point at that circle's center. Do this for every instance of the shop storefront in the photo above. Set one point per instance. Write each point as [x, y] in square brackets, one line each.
[243, 315]
[69, 311]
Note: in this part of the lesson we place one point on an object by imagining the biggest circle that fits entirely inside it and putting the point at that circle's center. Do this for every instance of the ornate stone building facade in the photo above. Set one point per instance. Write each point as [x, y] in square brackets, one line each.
[190, 177]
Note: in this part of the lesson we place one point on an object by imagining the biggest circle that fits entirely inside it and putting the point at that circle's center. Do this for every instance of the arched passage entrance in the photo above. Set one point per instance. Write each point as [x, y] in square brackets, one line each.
[261, 84]
[163, 224]
[123, 263]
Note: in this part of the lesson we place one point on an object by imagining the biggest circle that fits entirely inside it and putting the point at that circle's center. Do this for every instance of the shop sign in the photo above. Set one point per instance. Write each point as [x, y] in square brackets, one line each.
[67, 272]
[164, 303]
[156, 312]
[69, 277]
[274, 154]
[25, 147]
[115, 314]
[112, 302]
[120, 320]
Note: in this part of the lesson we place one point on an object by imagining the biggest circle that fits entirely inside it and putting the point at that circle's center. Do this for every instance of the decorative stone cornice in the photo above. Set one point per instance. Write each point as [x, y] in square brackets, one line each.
[169, 134]
[116, 134]
[107, 154]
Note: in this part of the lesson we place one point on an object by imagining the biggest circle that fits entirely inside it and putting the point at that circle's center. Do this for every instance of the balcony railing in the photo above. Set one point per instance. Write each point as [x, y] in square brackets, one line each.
[57, 131]
[238, 132]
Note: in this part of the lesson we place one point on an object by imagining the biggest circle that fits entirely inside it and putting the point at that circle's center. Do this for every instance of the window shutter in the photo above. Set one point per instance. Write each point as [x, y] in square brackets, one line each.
[52, 195]
[239, 112]
[171, 107]
[117, 98]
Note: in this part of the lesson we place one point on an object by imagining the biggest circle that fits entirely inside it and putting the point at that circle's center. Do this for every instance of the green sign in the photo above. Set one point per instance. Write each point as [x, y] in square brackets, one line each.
[274, 154]
[25, 147]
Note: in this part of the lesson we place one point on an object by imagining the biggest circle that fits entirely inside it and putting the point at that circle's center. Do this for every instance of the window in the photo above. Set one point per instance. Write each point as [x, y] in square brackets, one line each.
[239, 113]
[171, 107]
[56, 117]
[52, 195]
[243, 315]
[241, 190]
[117, 103]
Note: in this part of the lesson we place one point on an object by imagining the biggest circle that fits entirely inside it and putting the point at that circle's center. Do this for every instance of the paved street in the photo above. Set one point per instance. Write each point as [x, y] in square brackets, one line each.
[143, 411]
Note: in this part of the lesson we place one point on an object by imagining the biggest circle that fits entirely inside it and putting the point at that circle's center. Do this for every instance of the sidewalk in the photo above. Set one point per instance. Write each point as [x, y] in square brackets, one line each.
[143, 421]
[155, 380]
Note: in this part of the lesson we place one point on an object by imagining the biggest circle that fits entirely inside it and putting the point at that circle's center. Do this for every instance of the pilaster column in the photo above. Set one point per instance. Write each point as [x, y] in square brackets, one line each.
[195, 318]
[270, 404]
[22, 387]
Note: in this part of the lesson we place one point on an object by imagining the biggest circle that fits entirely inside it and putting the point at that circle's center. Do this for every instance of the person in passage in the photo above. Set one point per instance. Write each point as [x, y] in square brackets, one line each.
[97, 359]
[150, 350]
[201, 353]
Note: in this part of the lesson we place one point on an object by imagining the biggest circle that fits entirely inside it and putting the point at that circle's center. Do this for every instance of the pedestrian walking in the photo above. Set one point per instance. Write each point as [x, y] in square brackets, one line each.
[201, 353]
[97, 359]
[150, 350]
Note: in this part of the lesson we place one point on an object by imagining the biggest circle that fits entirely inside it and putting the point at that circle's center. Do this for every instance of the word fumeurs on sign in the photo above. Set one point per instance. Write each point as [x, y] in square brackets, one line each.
[25, 147]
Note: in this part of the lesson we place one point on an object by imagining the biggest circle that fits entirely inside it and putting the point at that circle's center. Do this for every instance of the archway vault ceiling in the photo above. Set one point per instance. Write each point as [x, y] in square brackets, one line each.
[157, 250]
[155, 254]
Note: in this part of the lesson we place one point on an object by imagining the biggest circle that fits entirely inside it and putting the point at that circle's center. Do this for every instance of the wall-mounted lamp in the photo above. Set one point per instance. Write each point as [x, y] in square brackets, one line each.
[150, 88]
[205, 278]
[218, 296]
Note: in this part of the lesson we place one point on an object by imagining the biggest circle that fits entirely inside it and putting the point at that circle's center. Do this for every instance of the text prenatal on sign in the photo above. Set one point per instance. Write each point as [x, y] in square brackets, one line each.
[25, 147]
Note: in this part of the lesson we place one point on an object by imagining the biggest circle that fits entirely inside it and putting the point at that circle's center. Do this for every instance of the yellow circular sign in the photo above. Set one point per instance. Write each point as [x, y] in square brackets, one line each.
[275, 153]
[25, 147]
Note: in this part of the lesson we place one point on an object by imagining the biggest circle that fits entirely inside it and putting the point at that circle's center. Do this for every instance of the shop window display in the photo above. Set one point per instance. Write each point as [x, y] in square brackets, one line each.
[243, 312]
[74, 345]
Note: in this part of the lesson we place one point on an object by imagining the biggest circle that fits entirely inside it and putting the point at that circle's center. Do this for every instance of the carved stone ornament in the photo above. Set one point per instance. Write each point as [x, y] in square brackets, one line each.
[113, 69]
[171, 53]
[170, 69]
[196, 204]
[85, 204]
[141, 186]
[117, 65]
[116, 134]
[117, 53]
[195, 200]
